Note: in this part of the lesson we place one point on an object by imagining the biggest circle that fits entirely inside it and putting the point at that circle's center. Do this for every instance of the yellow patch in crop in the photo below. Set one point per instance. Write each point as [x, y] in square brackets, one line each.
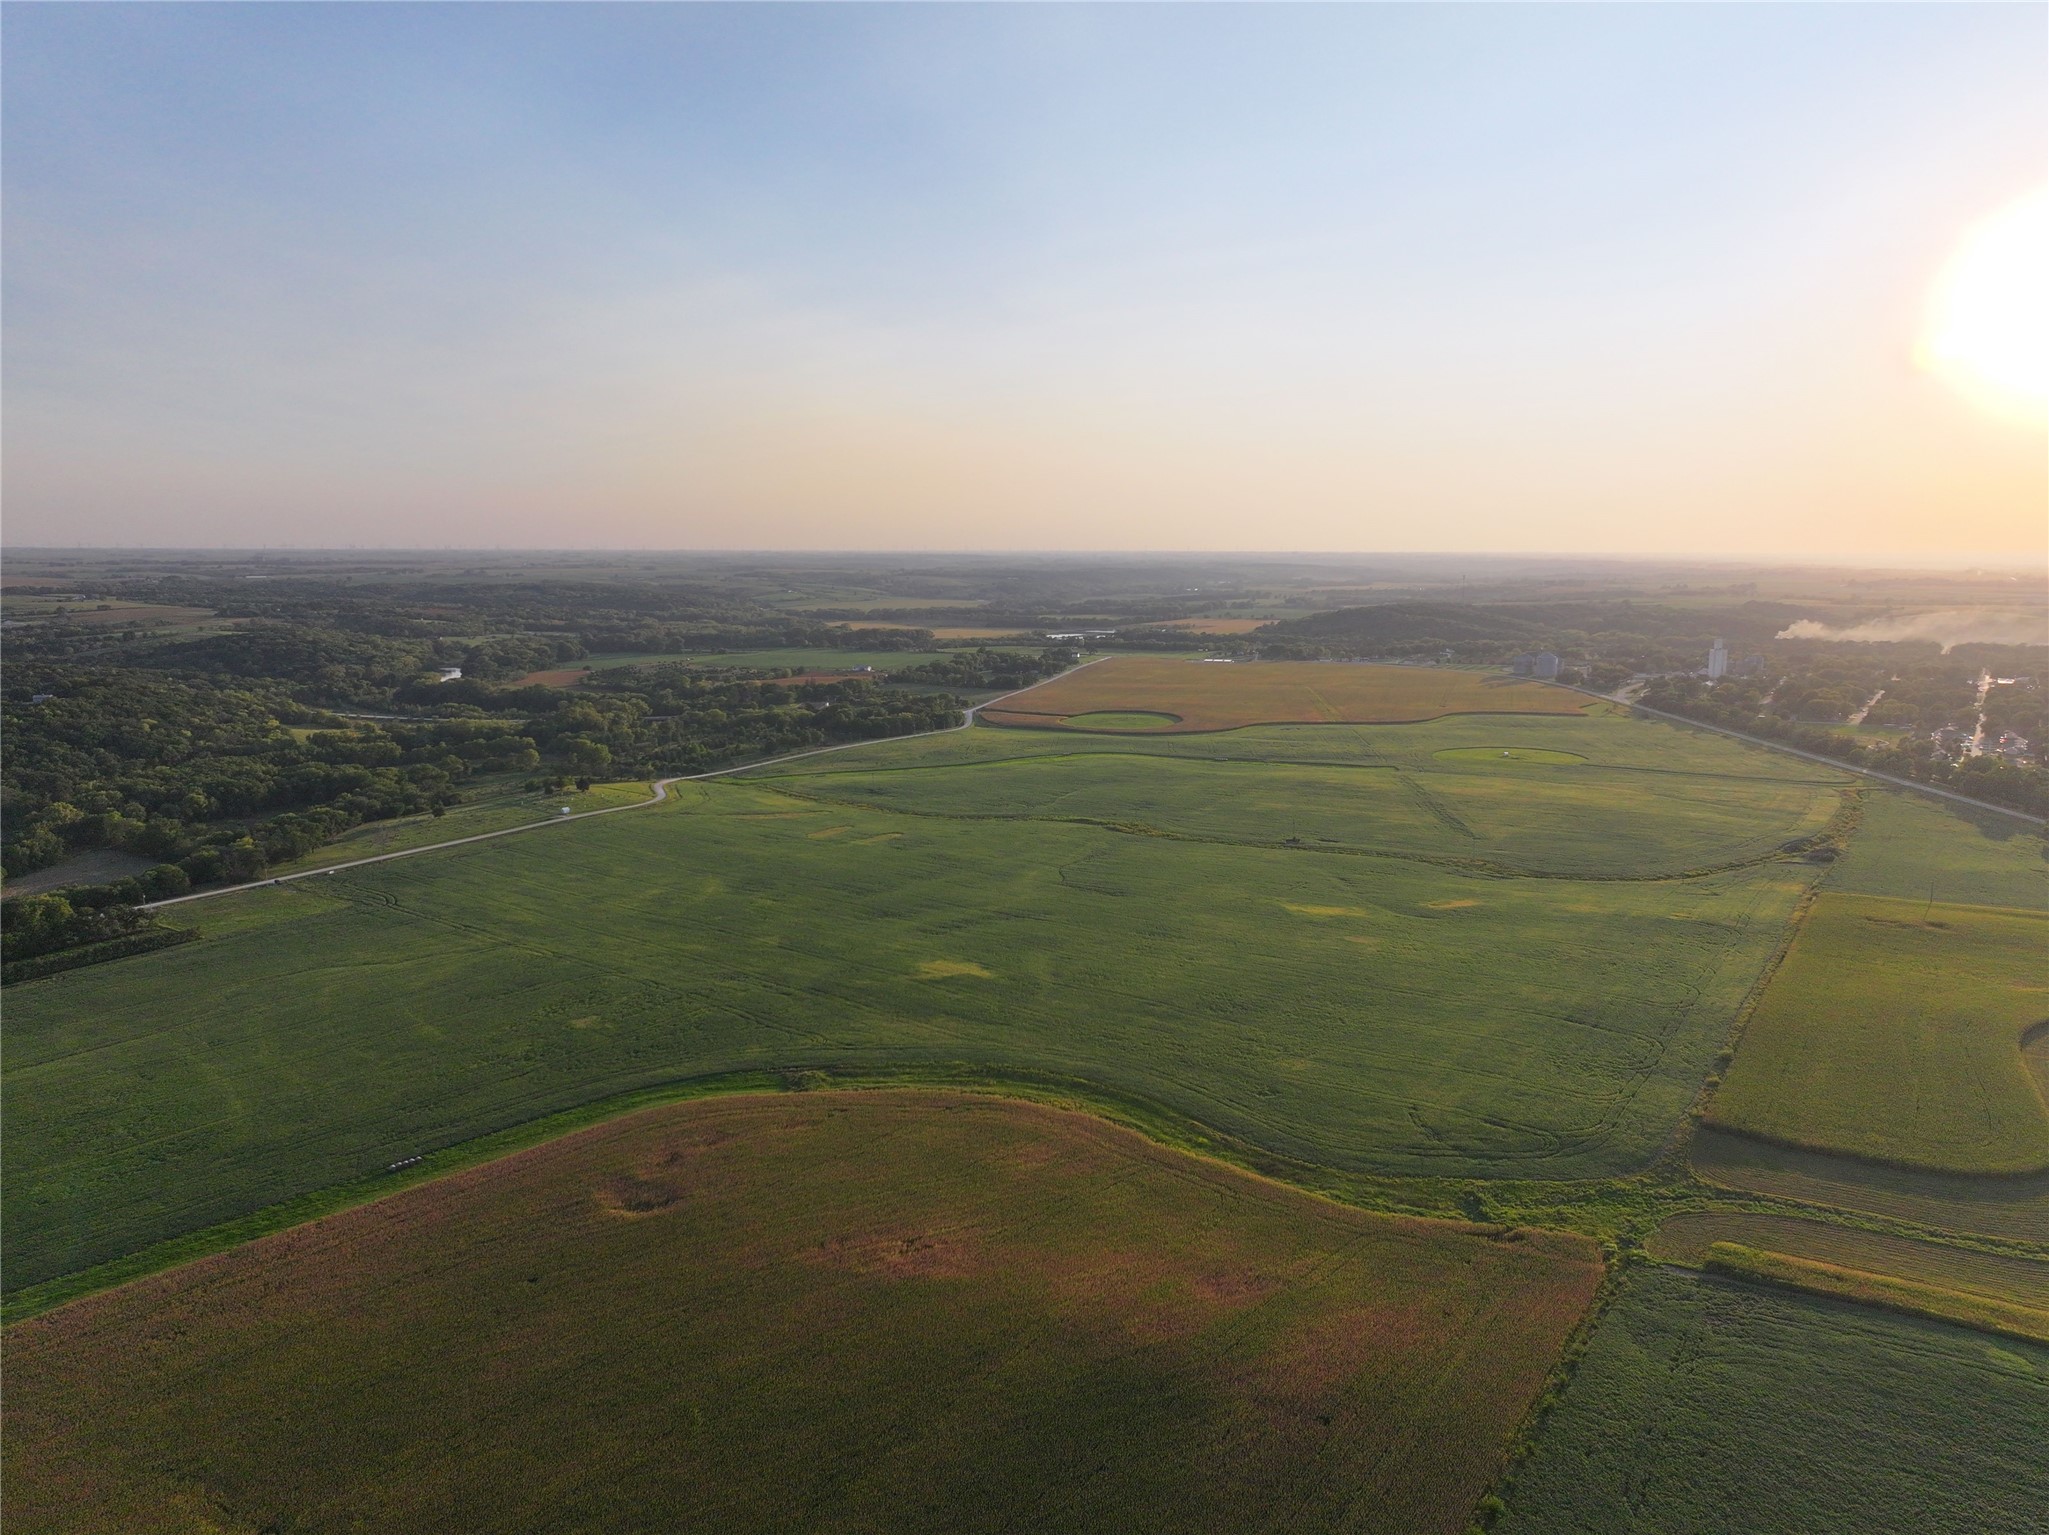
[1366, 939]
[943, 969]
[1448, 905]
[888, 836]
[830, 831]
[592, 1022]
[1325, 911]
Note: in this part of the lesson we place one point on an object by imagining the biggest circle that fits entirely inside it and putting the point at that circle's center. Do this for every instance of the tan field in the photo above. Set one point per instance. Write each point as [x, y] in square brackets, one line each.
[1217, 695]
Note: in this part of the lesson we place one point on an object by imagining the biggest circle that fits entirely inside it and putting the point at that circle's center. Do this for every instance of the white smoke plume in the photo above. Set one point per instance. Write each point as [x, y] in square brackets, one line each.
[1956, 626]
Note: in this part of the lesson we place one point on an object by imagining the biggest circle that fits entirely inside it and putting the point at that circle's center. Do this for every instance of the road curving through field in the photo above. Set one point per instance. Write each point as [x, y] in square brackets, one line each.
[659, 788]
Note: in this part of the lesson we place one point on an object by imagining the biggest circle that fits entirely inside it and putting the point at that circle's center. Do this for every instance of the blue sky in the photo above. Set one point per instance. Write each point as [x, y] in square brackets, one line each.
[1523, 277]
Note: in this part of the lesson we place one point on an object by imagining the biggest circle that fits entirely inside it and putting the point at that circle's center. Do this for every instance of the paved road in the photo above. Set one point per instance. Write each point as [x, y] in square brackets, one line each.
[1781, 746]
[661, 792]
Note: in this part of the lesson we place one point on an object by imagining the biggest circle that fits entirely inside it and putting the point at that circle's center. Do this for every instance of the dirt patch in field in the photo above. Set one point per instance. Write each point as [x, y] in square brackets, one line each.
[560, 677]
[629, 1194]
[894, 1256]
[943, 969]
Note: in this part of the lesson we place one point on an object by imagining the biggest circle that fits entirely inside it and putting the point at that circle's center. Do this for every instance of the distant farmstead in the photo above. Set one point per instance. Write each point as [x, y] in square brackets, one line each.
[449, 674]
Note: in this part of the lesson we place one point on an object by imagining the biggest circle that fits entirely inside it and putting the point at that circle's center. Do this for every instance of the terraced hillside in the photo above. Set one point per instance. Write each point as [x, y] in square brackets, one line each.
[1432, 1012]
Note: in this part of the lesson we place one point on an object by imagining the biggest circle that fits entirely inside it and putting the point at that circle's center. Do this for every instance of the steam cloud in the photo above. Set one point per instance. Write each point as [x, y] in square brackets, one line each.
[1952, 627]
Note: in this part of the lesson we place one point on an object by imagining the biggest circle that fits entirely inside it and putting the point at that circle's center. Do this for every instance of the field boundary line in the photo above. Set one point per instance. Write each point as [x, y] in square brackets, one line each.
[658, 786]
[1157, 1122]
[1847, 767]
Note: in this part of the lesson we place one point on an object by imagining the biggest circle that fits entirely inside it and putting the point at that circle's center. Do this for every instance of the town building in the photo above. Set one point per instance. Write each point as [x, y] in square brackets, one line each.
[1718, 662]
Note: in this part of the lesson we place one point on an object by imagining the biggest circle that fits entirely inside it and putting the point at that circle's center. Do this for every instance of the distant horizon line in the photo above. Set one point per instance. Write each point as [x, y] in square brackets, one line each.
[1999, 562]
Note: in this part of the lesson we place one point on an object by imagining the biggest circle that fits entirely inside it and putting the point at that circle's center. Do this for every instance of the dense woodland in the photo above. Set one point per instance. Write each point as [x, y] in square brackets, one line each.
[217, 756]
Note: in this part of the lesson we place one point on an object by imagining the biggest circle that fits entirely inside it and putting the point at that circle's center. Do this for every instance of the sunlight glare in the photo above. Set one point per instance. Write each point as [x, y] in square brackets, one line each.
[1987, 330]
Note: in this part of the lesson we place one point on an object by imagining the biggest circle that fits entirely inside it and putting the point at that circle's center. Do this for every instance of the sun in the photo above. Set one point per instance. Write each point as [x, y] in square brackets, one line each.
[1987, 328]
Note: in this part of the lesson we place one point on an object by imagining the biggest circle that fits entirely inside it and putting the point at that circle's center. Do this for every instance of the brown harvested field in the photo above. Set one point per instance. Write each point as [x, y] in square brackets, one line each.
[823, 1311]
[120, 615]
[1214, 625]
[949, 631]
[1217, 695]
[562, 677]
[1687, 1238]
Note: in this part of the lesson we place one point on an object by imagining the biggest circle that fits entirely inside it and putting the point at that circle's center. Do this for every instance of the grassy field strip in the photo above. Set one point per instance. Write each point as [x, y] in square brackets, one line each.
[2000, 1276]
[1713, 1406]
[507, 812]
[1609, 741]
[1893, 1032]
[1889, 1292]
[2014, 1208]
[850, 1311]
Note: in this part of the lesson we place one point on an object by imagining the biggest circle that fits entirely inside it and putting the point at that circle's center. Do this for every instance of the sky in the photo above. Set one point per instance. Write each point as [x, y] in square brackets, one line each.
[1553, 278]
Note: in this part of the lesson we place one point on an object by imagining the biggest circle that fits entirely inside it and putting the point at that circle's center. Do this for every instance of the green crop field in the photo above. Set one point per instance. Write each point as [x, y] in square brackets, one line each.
[869, 1311]
[1591, 819]
[1893, 1032]
[1706, 1406]
[1383, 1014]
[1508, 753]
[1923, 849]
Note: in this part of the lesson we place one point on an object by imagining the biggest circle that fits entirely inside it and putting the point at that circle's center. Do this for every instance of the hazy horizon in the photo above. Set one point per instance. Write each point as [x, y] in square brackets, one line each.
[1620, 281]
[2015, 565]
